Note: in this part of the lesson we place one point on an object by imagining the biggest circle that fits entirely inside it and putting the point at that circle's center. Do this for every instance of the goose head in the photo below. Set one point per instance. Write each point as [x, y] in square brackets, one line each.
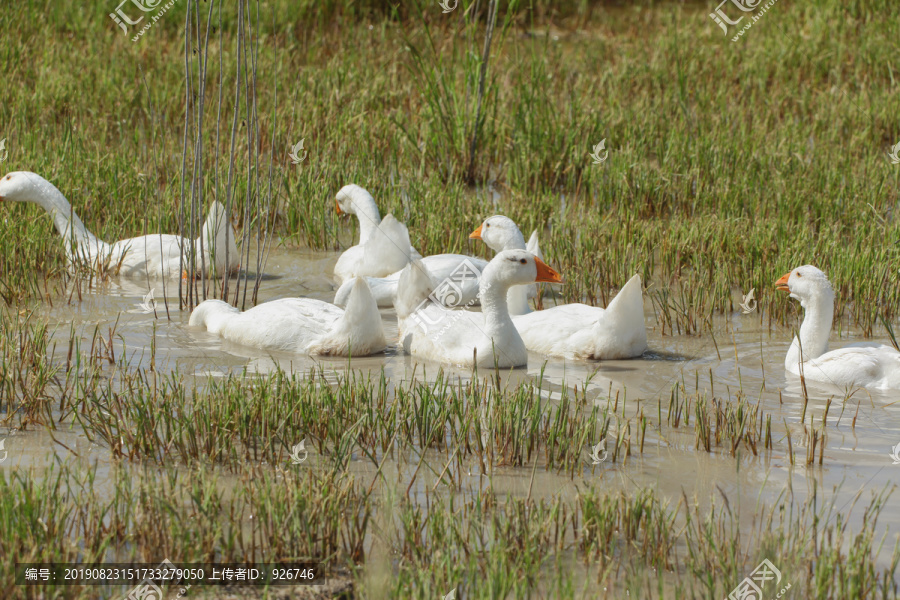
[352, 200]
[807, 284]
[22, 186]
[517, 267]
[499, 233]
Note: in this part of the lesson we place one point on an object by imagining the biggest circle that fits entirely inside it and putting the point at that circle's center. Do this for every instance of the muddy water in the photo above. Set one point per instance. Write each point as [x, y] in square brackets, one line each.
[741, 354]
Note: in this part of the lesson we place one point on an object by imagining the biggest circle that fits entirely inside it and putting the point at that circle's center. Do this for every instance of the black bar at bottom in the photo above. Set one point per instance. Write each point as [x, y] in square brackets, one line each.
[167, 573]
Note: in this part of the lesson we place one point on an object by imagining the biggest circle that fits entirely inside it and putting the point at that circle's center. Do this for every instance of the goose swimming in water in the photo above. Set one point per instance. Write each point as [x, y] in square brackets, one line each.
[158, 255]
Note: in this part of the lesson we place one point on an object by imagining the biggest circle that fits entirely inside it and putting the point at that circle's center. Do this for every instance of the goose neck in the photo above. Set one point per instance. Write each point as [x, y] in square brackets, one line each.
[514, 241]
[67, 223]
[815, 329]
[494, 305]
[368, 215]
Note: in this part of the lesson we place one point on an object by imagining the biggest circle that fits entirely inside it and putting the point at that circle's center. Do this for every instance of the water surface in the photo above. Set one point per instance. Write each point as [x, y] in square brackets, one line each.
[742, 355]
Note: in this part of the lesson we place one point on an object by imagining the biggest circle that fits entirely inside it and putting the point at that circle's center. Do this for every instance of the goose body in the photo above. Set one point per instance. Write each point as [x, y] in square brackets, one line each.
[300, 325]
[441, 267]
[864, 364]
[576, 331]
[382, 253]
[159, 255]
[457, 269]
[385, 251]
[461, 337]
[383, 246]
[583, 332]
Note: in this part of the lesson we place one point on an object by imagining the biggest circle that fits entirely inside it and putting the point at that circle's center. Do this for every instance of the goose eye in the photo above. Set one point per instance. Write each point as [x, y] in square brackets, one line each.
[487, 224]
[522, 261]
[799, 274]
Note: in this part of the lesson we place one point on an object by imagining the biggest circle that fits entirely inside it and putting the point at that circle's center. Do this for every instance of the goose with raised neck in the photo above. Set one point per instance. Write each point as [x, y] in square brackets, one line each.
[384, 250]
[159, 255]
[866, 364]
[464, 338]
[355, 200]
[501, 233]
[575, 331]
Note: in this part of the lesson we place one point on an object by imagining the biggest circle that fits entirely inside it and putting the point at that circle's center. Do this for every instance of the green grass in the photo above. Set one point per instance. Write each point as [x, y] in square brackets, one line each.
[729, 163]
[485, 545]
[192, 460]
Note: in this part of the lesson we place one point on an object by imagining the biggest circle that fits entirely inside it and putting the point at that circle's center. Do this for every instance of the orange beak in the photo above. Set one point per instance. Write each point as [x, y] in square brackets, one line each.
[476, 235]
[337, 207]
[545, 273]
[782, 284]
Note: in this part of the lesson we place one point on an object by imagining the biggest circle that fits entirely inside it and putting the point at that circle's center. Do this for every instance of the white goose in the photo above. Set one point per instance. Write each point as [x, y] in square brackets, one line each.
[380, 255]
[501, 233]
[385, 251]
[300, 325]
[157, 255]
[462, 337]
[462, 270]
[864, 364]
[383, 246]
[576, 331]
